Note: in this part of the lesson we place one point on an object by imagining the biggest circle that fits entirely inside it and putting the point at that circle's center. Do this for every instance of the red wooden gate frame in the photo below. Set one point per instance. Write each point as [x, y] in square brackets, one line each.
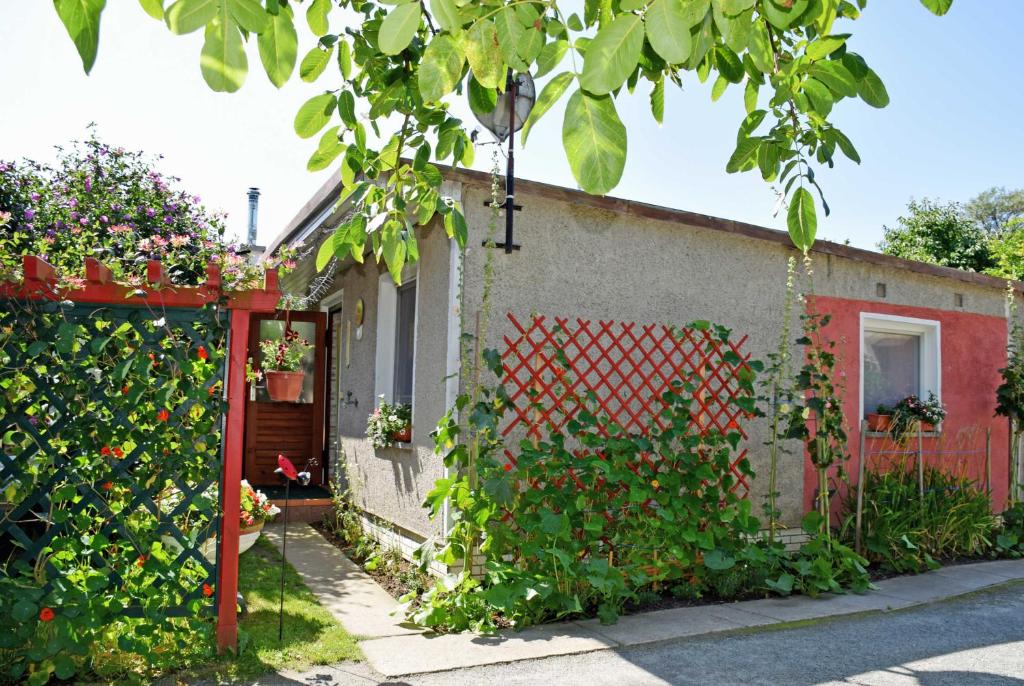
[40, 282]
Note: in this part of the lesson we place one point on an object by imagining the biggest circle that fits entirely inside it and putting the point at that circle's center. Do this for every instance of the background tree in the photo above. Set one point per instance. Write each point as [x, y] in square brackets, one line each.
[399, 60]
[997, 210]
[939, 233]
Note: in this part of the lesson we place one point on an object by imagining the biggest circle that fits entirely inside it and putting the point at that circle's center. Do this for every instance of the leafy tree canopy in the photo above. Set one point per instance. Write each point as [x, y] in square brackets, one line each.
[399, 62]
[997, 210]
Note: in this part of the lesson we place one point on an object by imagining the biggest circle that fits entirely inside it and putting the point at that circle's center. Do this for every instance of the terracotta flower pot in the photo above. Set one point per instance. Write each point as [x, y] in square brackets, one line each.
[879, 422]
[284, 387]
[403, 436]
[927, 427]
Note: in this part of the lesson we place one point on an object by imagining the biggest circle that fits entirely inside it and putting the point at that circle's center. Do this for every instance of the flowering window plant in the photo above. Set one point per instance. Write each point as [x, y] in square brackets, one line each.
[912, 409]
[255, 507]
[387, 420]
[284, 354]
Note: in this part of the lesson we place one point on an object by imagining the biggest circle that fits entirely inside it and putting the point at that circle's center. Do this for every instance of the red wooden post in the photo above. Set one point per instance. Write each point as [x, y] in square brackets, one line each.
[37, 269]
[227, 584]
[96, 272]
[156, 275]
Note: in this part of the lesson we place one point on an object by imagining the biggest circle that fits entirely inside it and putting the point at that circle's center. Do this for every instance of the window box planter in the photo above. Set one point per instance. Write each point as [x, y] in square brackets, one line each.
[880, 423]
[403, 435]
[284, 387]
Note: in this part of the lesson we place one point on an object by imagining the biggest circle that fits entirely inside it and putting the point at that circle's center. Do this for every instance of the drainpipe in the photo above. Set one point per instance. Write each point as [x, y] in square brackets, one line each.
[254, 202]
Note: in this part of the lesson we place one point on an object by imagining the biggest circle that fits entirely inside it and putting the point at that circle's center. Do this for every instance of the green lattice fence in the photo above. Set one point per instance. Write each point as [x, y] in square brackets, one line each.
[110, 457]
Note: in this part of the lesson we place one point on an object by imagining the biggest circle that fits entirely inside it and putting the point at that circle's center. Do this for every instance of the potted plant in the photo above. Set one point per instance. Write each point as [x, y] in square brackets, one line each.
[911, 411]
[389, 424]
[255, 510]
[880, 419]
[280, 366]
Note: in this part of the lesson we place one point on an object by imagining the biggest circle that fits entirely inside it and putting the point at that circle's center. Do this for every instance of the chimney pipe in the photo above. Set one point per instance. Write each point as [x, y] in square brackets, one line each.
[254, 202]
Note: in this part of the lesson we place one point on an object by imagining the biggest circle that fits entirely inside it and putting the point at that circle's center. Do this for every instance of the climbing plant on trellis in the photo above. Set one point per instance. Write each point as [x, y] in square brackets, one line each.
[621, 370]
[110, 459]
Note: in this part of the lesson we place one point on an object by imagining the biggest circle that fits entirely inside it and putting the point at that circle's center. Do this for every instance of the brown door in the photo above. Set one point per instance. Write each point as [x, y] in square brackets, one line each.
[295, 430]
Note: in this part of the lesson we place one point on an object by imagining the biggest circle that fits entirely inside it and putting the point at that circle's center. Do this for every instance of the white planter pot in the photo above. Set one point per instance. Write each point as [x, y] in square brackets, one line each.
[208, 549]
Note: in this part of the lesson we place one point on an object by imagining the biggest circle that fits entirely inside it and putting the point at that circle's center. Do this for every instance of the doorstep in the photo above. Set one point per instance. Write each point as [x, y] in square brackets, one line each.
[393, 650]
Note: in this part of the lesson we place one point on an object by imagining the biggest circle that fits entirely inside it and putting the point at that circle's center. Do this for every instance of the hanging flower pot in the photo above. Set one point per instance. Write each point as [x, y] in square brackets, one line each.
[284, 387]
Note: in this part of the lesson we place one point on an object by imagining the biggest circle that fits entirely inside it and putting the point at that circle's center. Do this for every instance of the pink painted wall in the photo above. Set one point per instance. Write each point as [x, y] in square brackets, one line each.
[972, 349]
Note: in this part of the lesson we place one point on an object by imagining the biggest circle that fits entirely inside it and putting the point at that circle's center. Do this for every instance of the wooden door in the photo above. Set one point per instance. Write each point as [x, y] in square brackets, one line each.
[295, 430]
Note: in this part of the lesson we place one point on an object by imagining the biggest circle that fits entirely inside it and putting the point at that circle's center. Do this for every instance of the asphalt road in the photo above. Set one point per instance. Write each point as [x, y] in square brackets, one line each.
[971, 641]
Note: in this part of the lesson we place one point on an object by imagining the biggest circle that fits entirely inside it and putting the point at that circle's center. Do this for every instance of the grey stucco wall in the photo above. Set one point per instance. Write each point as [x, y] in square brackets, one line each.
[579, 261]
[392, 483]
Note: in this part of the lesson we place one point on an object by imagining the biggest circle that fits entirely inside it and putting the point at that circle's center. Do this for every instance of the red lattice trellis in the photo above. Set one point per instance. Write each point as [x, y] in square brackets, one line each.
[627, 368]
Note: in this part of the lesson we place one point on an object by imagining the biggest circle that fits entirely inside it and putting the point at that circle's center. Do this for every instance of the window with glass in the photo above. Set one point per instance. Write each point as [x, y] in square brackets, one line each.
[405, 335]
[899, 358]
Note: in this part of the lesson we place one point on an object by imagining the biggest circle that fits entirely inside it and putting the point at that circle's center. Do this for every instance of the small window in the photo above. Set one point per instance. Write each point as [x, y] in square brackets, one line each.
[405, 331]
[899, 358]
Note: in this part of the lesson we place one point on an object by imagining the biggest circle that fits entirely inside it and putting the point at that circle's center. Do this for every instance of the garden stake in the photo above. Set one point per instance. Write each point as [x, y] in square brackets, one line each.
[287, 471]
[860, 486]
[920, 464]
[988, 461]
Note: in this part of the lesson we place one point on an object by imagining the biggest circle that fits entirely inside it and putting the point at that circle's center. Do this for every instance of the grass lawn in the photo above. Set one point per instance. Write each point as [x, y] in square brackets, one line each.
[311, 635]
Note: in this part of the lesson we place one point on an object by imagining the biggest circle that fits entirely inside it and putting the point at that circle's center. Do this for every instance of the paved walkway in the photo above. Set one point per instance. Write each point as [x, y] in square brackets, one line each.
[392, 650]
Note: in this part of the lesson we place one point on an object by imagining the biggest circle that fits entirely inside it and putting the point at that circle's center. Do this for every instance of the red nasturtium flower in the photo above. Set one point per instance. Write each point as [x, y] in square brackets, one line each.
[732, 424]
[508, 467]
[140, 560]
[201, 353]
[105, 451]
[207, 590]
[107, 485]
[125, 389]
[163, 415]
[118, 452]
[46, 615]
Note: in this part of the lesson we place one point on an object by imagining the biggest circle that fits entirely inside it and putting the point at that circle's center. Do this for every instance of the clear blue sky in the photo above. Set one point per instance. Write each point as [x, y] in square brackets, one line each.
[953, 128]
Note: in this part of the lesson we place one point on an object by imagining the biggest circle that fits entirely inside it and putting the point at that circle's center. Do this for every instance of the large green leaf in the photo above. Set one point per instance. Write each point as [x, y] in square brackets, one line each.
[594, 139]
[249, 14]
[278, 47]
[398, 28]
[154, 8]
[314, 63]
[223, 61]
[81, 18]
[480, 44]
[549, 95]
[447, 14]
[872, 91]
[613, 54]
[186, 16]
[802, 219]
[667, 30]
[314, 114]
[441, 67]
[550, 56]
[939, 7]
[316, 16]
[510, 31]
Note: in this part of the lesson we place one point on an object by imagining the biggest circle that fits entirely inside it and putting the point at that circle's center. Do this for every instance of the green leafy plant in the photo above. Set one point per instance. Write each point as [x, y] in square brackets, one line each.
[284, 354]
[256, 506]
[1010, 393]
[385, 421]
[911, 411]
[401, 63]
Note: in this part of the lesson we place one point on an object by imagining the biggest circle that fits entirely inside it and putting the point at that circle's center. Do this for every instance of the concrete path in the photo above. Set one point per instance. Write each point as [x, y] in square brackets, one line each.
[395, 651]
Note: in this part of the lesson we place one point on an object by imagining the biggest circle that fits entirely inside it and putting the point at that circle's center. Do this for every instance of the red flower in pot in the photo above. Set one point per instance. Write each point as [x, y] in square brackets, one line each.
[281, 364]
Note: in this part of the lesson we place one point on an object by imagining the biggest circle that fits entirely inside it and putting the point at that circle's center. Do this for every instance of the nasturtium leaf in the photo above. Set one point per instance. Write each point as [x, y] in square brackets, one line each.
[441, 67]
[480, 44]
[81, 18]
[248, 14]
[549, 95]
[658, 101]
[398, 28]
[594, 139]
[186, 16]
[447, 14]
[872, 91]
[550, 56]
[510, 30]
[314, 63]
[613, 54]
[278, 47]
[802, 219]
[316, 16]
[718, 561]
[939, 7]
[824, 46]
[154, 8]
[314, 114]
[223, 61]
[668, 31]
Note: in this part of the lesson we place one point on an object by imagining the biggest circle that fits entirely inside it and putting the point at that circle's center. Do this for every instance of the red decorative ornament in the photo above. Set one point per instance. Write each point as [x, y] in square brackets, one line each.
[287, 468]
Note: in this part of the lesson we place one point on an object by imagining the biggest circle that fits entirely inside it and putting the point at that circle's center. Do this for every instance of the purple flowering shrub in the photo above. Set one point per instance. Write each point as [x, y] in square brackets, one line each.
[111, 204]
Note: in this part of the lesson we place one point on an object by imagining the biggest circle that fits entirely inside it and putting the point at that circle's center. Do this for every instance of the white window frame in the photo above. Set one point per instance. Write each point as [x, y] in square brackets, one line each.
[930, 333]
[387, 315]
